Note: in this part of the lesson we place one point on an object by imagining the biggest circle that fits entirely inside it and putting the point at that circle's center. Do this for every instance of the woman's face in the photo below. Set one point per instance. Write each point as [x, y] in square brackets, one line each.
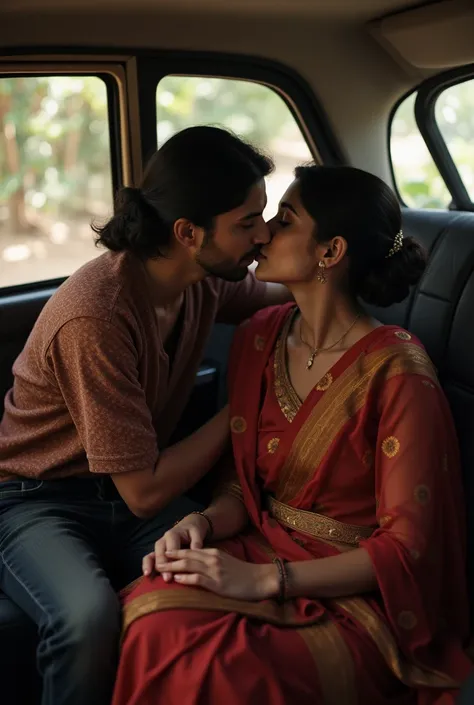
[292, 255]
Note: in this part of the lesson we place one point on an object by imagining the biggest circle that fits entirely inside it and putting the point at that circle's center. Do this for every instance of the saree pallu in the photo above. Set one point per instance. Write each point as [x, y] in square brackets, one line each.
[370, 460]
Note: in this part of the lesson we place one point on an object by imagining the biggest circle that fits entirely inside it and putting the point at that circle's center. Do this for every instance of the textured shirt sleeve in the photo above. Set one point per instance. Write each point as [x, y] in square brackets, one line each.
[240, 300]
[95, 365]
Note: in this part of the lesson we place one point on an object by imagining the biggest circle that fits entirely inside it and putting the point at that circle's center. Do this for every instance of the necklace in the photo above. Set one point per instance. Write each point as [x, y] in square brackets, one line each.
[316, 351]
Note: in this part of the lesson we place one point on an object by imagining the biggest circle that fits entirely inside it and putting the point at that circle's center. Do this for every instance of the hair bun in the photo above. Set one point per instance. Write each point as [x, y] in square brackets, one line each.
[388, 282]
[134, 226]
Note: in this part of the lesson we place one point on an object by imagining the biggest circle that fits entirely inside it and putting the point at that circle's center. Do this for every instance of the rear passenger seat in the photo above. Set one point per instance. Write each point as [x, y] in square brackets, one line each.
[441, 313]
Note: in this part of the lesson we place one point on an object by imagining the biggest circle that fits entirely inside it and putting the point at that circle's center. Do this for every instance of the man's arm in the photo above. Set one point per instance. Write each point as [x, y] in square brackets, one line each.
[95, 365]
[177, 470]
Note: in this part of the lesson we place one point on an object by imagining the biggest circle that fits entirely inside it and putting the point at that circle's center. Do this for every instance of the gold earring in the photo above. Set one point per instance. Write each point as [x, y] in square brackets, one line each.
[321, 275]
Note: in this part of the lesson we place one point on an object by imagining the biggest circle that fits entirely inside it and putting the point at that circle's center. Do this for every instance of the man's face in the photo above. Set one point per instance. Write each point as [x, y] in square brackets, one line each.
[236, 238]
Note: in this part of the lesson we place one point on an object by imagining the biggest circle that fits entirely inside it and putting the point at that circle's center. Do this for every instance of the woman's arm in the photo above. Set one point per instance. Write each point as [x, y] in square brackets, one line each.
[228, 516]
[349, 573]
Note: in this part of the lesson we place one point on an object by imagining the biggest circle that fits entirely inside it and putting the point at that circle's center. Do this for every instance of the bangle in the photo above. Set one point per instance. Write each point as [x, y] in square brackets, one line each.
[210, 531]
[283, 588]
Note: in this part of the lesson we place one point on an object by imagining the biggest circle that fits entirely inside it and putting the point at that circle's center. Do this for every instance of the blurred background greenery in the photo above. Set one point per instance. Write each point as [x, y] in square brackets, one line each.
[55, 173]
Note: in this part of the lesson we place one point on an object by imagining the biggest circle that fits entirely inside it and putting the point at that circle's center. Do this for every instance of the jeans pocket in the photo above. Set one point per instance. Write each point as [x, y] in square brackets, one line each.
[18, 489]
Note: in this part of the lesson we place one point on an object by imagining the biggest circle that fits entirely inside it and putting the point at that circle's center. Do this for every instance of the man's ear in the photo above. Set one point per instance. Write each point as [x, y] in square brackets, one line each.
[187, 234]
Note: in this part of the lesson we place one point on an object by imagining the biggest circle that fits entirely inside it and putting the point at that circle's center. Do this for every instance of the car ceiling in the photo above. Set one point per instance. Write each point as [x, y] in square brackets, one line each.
[359, 10]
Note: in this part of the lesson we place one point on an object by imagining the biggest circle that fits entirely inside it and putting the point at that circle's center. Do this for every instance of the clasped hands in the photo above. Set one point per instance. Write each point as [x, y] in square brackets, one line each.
[208, 568]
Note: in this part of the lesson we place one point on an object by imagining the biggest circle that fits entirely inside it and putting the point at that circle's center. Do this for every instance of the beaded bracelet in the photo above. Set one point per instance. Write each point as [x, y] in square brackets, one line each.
[210, 531]
[283, 589]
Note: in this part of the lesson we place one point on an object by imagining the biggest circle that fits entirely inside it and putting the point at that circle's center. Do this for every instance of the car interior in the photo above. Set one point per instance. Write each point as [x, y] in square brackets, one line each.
[90, 88]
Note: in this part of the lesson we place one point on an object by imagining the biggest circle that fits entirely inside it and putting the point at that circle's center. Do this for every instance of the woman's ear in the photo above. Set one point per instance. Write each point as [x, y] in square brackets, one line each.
[336, 251]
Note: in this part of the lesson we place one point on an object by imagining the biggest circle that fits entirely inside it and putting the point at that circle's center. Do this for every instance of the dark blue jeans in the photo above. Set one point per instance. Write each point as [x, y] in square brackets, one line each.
[66, 547]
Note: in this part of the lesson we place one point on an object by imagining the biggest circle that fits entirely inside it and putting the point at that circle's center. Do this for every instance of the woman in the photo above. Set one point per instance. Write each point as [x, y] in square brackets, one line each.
[333, 571]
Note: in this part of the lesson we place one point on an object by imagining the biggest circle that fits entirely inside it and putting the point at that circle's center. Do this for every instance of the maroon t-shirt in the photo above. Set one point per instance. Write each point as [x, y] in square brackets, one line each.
[93, 389]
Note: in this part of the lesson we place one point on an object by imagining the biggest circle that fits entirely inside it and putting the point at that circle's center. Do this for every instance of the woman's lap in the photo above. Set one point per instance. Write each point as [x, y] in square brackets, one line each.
[197, 657]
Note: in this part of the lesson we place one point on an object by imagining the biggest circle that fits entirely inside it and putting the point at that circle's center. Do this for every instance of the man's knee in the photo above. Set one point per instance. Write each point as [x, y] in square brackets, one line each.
[85, 631]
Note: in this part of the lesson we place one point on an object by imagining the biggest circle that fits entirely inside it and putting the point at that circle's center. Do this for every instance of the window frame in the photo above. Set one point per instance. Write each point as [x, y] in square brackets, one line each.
[135, 74]
[114, 76]
[427, 93]
[288, 84]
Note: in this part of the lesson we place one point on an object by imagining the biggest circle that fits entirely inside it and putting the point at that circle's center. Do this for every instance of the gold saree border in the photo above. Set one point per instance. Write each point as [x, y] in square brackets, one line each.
[288, 400]
[333, 661]
[271, 612]
[317, 525]
[344, 398]
[408, 673]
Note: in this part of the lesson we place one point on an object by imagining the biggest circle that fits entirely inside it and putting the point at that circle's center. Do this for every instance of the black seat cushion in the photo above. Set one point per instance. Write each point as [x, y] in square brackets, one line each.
[441, 313]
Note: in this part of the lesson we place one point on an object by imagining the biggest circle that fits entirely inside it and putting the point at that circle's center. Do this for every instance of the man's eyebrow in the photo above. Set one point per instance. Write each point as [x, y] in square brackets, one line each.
[285, 204]
[249, 216]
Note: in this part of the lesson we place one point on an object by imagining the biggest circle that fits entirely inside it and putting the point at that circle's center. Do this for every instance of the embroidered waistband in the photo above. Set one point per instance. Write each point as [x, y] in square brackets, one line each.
[317, 525]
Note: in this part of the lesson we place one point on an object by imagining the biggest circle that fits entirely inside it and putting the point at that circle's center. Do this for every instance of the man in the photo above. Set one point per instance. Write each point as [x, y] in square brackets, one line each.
[87, 482]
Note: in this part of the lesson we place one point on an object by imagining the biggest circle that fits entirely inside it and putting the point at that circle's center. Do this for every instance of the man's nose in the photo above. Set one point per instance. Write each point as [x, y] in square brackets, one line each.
[262, 235]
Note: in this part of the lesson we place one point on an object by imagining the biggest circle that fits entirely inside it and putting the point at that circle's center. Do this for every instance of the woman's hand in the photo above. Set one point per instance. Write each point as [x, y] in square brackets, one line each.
[221, 573]
[190, 531]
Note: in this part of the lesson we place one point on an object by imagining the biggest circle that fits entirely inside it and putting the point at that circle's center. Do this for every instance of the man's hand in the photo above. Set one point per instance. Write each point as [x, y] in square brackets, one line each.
[190, 531]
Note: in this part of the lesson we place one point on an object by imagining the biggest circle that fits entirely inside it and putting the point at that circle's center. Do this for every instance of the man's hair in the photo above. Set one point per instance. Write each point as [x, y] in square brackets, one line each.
[197, 174]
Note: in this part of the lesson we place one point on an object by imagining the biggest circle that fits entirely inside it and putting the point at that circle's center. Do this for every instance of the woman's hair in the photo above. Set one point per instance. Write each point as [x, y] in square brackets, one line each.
[361, 208]
[197, 174]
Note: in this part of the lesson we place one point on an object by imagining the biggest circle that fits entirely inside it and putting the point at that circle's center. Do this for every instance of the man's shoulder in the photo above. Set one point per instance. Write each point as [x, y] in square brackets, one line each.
[96, 290]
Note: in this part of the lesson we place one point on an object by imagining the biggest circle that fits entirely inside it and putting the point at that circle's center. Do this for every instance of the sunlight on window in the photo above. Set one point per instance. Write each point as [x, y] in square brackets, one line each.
[55, 174]
[417, 177]
[454, 112]
[253, 111]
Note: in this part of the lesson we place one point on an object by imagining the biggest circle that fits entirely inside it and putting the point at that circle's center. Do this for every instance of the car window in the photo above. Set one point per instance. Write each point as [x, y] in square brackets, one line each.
[454, 113]
[251, 110]
[417, 177]
[55, 174]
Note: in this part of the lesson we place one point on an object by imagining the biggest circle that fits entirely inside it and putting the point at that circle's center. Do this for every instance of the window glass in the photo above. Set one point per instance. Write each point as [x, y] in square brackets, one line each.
[55, 174]
[253, 111]
[454, 113]
[417, 177]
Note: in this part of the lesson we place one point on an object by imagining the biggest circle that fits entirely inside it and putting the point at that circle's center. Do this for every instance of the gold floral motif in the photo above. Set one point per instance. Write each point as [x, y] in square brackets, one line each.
[403, 335]
[324, 383]
[343, 400]
[385, 519]
[368, 458]
[272, 445]
[317, 525]
[259, 343]
[422, 494]
[390, 446]
[238, 424]
[415, 554]
[407, 620]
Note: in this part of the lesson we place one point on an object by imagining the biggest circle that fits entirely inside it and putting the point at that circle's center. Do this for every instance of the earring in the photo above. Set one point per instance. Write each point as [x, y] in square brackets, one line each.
[321, 275]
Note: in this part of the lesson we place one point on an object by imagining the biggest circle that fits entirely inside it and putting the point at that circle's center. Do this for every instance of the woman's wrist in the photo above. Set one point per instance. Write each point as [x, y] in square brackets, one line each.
[207, 522]
[268, 581]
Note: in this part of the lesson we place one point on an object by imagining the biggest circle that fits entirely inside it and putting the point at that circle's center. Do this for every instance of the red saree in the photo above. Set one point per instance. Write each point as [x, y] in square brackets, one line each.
[369, 459]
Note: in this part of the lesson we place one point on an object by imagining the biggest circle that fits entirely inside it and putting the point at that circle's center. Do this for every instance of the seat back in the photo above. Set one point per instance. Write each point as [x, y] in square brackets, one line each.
[440, 311]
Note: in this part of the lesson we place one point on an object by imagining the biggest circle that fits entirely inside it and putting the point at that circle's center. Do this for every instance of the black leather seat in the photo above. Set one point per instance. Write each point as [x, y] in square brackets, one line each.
[440, 312]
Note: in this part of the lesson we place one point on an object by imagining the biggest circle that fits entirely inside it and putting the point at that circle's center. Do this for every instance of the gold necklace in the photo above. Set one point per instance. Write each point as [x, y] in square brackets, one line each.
[316, 351]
